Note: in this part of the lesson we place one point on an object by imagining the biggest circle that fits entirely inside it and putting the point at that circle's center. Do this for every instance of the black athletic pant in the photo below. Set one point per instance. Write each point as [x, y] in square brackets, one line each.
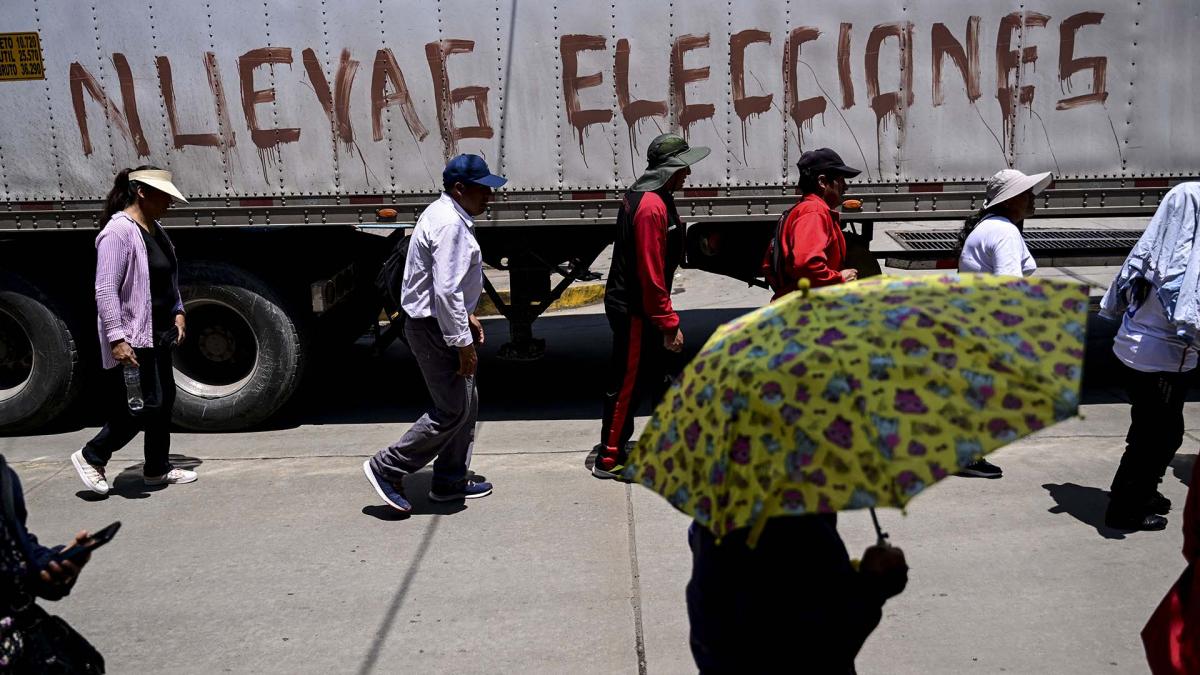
[641, 366]
[1155, 433]
[158, 391]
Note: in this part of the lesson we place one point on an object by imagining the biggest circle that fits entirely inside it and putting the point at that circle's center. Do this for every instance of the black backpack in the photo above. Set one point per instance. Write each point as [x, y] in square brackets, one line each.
[390, 280]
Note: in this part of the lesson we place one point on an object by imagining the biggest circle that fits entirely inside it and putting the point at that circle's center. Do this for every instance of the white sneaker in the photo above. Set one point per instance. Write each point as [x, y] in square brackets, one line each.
[92, 476]
[172, 477]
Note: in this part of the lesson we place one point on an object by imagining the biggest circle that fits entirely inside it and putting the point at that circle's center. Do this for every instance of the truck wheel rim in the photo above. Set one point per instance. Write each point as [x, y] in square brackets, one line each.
[16, 357]
[220, 352]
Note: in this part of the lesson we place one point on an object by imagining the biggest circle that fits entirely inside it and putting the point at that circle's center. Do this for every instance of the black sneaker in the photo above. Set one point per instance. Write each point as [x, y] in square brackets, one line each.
[467, 488]
[981, 468]
[1159, 504]
[609, 466]
[1137, 521]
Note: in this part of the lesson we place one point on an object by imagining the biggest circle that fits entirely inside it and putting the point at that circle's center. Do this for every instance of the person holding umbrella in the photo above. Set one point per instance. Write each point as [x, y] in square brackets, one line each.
[733, 585]
[854, 396]
[992, 242]
[1156, 295]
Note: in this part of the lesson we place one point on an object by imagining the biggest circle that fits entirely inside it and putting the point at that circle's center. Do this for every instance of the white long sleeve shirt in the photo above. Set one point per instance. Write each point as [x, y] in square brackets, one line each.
[443, 274]
[996, 246]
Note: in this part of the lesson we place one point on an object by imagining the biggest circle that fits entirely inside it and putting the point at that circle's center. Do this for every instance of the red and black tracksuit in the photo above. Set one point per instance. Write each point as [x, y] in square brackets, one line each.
[646, 253]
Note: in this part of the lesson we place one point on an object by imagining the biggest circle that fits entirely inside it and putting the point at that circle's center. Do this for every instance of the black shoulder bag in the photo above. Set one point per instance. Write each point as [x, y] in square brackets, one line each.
[31, 640]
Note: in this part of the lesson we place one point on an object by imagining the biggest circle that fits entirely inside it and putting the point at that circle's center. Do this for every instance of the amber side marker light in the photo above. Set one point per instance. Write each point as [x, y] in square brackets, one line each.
[852, 204]
[386, 214]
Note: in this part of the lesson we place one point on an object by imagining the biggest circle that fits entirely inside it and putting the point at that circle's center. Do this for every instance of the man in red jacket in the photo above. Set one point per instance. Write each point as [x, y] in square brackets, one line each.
[809, 243]
[637, 300]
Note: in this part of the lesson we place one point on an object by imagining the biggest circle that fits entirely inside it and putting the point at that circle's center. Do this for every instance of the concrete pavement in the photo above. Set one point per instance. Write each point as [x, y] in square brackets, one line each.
[281, 559]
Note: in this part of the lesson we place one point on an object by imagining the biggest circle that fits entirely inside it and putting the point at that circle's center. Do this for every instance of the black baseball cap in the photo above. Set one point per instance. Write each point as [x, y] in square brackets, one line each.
[470, 169]
[824, 160]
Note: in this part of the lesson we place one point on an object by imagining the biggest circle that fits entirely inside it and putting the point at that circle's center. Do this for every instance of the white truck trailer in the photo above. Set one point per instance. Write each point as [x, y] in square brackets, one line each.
[296, 126]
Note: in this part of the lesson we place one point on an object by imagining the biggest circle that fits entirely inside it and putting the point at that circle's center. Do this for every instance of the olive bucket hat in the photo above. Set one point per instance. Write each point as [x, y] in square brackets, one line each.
[666, 155]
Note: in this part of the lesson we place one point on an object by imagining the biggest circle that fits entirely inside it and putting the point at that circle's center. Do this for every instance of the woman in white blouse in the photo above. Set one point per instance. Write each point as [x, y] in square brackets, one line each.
[992, 243]
[991, 239]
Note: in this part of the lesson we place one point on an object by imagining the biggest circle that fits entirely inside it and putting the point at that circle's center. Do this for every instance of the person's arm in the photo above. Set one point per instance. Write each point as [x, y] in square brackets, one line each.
[49, 579]
[1008, 253]
[112, 256]
[650, 229]
[177, 310]
[451, 262]
[808, 234]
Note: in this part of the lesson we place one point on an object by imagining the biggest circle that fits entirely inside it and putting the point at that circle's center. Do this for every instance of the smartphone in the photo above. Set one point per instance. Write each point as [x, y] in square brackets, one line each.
[99, 538]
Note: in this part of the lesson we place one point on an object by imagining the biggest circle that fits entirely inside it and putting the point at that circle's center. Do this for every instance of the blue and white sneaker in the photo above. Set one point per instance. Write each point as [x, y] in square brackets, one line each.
[467, 488]
[392, 493]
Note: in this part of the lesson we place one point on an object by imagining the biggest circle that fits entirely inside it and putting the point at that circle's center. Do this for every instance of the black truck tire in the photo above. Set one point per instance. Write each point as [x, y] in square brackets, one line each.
[40, 370]
[244, 353]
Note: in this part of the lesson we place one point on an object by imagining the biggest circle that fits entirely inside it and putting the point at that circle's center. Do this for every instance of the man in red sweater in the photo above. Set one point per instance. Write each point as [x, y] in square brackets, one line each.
[809, 243]
[637, 300]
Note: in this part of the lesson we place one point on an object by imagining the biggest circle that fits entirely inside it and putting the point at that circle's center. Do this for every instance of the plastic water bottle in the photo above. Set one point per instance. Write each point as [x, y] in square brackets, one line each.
[133, 388]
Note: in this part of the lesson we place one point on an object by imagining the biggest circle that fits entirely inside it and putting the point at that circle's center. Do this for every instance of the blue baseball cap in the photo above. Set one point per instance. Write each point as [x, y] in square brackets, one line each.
[470, 169]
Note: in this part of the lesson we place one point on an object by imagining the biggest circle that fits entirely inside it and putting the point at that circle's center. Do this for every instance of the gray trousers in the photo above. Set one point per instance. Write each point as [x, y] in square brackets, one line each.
[448, 431]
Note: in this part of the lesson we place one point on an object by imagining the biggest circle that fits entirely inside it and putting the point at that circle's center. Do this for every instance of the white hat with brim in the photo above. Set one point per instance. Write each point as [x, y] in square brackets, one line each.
[159, 180]
[1009, 183]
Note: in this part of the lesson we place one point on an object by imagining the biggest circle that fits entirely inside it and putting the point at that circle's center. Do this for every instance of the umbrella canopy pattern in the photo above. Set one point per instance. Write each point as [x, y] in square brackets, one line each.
[861, 395]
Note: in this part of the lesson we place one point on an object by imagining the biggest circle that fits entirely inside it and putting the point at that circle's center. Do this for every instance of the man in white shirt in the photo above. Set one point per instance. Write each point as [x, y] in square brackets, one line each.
[443, 279]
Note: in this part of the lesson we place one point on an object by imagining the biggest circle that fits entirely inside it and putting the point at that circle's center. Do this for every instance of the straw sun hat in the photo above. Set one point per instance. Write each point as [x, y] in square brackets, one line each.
[1009, 183]
[159, 180]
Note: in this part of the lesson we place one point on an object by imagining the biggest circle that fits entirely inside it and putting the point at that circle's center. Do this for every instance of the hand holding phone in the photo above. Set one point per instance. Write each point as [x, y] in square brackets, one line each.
[98, 539]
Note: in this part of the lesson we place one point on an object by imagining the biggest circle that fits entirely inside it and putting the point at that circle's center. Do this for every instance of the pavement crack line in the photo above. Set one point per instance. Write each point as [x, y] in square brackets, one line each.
[635, 598]
[385, 627]
[29, 490]
[1080, 278]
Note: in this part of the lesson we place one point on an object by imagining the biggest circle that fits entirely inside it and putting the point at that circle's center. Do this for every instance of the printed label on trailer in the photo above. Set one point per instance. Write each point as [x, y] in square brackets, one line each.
[21, 57]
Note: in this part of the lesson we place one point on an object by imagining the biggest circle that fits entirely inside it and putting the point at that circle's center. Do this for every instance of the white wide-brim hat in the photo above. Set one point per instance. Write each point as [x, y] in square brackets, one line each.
[1009, 183]
[159, 180]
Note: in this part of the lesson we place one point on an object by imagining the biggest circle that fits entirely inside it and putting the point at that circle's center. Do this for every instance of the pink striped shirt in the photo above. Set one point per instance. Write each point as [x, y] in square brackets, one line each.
[123, 286]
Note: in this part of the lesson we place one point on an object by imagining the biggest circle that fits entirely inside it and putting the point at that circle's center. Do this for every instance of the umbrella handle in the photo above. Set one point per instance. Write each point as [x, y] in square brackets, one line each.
[882, 537]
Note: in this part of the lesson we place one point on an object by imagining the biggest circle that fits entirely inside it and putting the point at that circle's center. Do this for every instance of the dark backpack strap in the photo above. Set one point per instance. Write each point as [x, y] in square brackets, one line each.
[6, 493]
[777, 247]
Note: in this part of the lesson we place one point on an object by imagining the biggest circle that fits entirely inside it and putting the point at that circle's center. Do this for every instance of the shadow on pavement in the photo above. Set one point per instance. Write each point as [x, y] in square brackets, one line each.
[1183, 466]
[567, 383]
[385, 626]
[1085, 504]
[129, 483]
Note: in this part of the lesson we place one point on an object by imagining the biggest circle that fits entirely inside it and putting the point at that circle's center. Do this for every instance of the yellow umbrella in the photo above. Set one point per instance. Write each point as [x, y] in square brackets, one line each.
[861, 395]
